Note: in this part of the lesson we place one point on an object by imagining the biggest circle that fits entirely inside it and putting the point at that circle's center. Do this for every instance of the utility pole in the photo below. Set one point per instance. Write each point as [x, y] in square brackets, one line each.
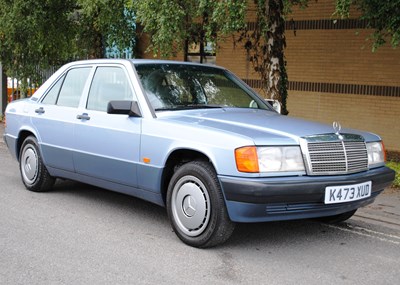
[3, 91]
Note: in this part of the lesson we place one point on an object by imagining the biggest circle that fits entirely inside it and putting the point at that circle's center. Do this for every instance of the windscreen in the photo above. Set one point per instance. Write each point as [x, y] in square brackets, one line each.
[181, 86]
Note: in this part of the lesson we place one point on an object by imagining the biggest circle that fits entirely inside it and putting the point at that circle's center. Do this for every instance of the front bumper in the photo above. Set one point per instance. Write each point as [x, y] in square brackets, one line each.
[289, 198]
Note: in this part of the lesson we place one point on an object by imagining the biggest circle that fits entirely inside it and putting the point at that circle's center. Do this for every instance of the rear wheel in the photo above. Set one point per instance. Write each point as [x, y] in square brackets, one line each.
[337, 218]
[196, 207]
[33, 172]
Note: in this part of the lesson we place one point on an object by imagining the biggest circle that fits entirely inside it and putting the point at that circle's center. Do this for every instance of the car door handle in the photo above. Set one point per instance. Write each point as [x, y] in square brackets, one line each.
[40, 110]
[84, 116]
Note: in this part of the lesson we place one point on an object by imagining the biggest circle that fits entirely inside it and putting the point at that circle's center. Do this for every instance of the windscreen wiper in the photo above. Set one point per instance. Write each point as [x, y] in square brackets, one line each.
[189, 107]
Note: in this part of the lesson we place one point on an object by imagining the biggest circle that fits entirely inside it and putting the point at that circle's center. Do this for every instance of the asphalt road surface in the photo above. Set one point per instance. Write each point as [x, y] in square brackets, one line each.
[79, 234]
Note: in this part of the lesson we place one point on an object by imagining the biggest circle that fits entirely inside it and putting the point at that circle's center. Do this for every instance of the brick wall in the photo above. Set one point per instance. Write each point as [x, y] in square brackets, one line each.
[365, 93]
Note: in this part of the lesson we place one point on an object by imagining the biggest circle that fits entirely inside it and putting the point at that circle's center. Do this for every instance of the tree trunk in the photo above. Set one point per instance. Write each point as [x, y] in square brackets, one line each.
[265, 44]
[3, 91]
[276, 43]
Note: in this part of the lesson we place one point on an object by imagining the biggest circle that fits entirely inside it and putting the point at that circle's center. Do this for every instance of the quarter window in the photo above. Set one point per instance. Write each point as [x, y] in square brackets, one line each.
[109, 83]
[51, 96]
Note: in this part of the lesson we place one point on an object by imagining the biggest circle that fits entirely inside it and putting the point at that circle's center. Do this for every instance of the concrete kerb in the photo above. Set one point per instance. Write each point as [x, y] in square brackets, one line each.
[385, 211]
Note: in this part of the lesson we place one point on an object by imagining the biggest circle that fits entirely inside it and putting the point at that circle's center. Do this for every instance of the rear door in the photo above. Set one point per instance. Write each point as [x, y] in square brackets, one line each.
[55, 117]
[107, 145]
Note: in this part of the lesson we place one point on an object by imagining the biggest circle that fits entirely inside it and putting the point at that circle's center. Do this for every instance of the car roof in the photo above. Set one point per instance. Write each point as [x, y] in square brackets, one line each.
[137, 62]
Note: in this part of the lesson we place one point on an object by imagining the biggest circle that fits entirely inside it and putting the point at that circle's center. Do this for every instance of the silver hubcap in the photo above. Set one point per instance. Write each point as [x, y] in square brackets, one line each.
[190, 205]
[29, 164]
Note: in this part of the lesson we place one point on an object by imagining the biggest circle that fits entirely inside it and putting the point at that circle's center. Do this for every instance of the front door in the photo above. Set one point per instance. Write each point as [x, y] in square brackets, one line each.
[107, 146]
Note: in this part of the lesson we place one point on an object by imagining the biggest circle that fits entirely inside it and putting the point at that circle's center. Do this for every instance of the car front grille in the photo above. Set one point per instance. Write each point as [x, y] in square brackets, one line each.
[336, 154]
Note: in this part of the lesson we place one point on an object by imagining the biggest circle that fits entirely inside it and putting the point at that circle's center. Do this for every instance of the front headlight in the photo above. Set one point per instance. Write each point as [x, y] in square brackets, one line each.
[269, 159]
[376, 154]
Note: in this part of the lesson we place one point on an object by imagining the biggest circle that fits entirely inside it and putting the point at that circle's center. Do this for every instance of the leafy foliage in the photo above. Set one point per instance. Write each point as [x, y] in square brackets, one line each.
[396, 167]
[101, 24]
[37, 34]
[381, 15]
[34, 33]
[174, 23]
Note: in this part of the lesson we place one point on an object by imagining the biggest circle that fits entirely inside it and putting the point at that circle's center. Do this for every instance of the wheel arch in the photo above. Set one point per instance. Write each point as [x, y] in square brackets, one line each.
[23, 134]
[177, 158]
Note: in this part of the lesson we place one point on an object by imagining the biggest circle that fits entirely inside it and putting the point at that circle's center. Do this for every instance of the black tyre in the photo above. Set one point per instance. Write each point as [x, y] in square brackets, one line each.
[337, 218]
[33, 172]
[196, 207]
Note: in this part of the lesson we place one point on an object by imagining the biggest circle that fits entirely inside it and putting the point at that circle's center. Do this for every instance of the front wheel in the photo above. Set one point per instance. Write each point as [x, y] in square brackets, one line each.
[33, 172]
[196, 207]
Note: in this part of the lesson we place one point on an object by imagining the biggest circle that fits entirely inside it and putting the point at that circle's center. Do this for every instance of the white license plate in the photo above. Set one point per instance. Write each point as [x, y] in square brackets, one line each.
[347, 193]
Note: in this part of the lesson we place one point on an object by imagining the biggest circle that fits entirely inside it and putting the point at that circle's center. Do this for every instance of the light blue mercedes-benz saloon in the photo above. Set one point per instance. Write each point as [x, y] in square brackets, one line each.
[192, 138]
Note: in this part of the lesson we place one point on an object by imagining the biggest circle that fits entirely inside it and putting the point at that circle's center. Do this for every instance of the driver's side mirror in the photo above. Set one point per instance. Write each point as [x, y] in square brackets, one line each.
[275, 104]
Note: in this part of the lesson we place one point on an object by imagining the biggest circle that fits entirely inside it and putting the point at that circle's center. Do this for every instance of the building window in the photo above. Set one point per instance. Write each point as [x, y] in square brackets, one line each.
[200, 53]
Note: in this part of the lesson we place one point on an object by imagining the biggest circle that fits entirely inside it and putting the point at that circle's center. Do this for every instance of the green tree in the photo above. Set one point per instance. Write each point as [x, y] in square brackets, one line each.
[37, 34]
[101, 24]
[34, 34]
[383, 16]
[173, 24]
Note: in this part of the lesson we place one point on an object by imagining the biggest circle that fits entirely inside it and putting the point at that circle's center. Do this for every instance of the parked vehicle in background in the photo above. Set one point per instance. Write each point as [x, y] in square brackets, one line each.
[15, 93]
[195, 139]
